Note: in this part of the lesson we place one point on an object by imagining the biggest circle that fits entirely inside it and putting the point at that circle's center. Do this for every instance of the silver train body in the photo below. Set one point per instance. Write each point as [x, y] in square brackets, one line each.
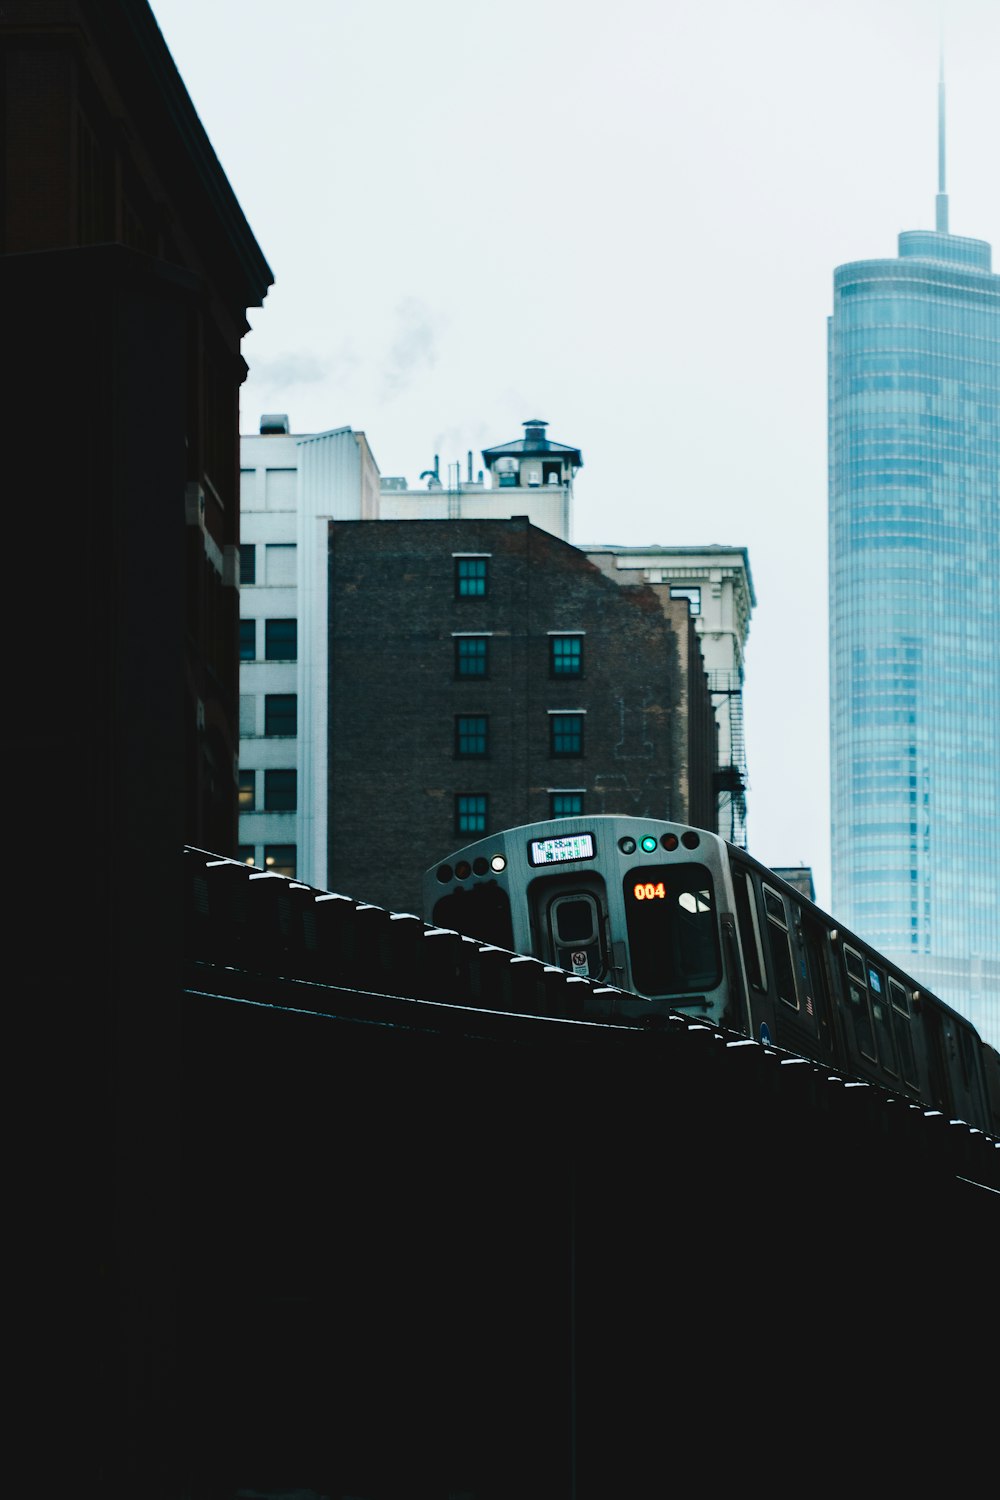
[671, 918]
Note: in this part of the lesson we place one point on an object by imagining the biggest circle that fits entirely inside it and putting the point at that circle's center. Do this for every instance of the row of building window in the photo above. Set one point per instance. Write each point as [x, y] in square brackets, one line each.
[472, 652]
[472, 810]
[280, 791]
[472, 574]
[281, 640]
[472, 735]
[472, 656]
[471, 820]
[472, 731]
[279, 563]
[279, 859]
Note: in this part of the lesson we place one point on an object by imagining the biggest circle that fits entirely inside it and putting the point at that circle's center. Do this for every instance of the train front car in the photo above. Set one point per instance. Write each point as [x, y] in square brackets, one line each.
[634, 903]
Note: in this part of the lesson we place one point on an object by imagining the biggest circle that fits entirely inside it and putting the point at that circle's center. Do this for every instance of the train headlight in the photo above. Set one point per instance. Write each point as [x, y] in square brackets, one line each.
[498, 863]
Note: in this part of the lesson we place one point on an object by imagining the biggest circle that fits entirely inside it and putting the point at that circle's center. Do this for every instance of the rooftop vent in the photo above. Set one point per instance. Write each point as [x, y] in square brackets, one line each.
[273, 422]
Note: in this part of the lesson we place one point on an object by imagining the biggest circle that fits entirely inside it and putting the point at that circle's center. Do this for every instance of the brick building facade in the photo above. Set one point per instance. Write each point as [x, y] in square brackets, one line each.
[484, 674]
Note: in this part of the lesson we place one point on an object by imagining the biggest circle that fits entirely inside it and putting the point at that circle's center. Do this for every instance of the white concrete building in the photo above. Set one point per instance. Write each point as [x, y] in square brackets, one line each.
[718, 586]
[290, 485]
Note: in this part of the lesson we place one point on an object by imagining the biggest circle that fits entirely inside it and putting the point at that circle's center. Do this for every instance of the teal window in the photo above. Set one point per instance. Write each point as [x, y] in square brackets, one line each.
[471, 577]
[248, 640]
[471, 735]
[471, 810]
[248, 791]
[566, 734]
[472, 656]
[566, 656]
[565, 804]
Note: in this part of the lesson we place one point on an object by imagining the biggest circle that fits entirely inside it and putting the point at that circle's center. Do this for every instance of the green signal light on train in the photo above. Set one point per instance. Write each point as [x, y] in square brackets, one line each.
[647, 844]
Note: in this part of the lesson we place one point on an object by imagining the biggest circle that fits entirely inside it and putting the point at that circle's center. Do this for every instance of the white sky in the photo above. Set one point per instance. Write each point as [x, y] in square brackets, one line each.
[620, 218]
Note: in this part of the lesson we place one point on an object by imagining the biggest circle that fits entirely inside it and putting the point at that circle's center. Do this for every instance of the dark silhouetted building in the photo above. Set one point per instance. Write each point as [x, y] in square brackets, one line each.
[127, 270]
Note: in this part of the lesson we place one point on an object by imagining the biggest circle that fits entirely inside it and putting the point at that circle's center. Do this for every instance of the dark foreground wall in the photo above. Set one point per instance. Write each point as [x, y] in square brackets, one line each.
[444, 1252]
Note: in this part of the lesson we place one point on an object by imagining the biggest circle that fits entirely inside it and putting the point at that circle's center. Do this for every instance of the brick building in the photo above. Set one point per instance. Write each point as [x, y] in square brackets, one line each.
[484, 674]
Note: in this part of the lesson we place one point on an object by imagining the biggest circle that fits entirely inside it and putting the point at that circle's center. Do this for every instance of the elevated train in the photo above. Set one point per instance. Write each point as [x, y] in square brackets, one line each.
[674, 919]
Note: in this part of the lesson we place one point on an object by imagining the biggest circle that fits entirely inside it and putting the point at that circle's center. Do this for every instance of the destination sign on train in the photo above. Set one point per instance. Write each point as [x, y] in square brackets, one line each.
[554, 851]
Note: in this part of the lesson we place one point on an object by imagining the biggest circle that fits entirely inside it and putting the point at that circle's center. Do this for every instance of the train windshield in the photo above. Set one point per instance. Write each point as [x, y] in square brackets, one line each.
[672, 929]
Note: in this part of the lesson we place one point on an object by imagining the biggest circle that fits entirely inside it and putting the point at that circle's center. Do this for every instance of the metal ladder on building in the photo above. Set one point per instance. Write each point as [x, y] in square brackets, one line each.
[731, 776]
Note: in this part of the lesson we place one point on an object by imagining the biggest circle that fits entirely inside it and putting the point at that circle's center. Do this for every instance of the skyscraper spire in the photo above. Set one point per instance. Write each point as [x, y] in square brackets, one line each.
[941, 201]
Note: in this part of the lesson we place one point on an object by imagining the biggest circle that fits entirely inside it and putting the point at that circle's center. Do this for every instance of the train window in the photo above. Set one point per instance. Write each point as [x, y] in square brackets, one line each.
[883, 1021]
[575, 919]
[773, 905]
[781, 953]
[857, 995]
[855, 965]
[746, 911]
[900, 1007]
[673, 929]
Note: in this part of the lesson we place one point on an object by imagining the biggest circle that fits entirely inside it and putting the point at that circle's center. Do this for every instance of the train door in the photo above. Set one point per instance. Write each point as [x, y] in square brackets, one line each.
[761, 1017]
[861, 1031]
[938, 1065]
[818, 991]
[569, 921]
[797, 980]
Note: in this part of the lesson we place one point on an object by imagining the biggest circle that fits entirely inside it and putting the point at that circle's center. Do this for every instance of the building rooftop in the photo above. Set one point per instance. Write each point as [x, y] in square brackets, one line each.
[534, 441]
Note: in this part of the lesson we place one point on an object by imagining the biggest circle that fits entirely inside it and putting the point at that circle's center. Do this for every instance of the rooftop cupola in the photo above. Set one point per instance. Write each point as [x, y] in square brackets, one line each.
[533, 460]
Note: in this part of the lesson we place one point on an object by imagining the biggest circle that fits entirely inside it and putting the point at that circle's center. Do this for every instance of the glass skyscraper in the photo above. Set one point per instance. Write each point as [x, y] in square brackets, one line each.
[914, 431]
